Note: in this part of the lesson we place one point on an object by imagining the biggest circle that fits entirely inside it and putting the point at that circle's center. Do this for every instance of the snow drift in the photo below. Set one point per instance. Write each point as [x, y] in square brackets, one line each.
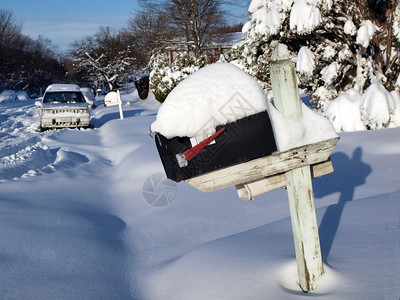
[75, 223]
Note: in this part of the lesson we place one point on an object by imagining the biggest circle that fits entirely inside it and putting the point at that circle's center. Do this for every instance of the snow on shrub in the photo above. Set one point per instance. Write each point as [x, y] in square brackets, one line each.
[324, 94]
[344, 53]
[166, 75]
[305, 61]
[375, 111]
[397, 84]
[329, 73]
[343, 39]
[304, 17]
[344, 112]
[365, 33]
[266, 20]
[349, 28]
[395, 110]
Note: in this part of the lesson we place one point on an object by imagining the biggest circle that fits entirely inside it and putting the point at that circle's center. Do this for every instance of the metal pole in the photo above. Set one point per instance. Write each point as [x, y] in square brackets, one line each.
[121, 113]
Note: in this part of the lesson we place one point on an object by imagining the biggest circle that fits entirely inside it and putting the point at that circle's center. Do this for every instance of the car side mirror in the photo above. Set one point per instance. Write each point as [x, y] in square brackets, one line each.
[38, 103]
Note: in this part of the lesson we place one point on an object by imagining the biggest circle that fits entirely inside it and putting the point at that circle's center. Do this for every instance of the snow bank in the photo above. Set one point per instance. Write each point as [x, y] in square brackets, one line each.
[215, 95]
[76, 224]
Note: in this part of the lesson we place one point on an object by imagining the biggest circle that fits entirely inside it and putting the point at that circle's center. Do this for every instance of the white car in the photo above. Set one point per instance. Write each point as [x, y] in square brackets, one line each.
[8, 96]
[62, 106]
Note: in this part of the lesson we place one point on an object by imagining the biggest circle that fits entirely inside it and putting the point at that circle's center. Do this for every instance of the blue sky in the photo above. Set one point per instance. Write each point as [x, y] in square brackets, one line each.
[65, 21]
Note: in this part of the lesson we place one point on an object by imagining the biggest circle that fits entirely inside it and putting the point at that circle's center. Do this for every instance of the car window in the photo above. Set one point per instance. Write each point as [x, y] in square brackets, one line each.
[63, 97]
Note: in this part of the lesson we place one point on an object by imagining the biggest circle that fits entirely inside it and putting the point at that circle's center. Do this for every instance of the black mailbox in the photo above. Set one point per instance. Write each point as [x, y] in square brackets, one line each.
[246, 139]
[142, 84]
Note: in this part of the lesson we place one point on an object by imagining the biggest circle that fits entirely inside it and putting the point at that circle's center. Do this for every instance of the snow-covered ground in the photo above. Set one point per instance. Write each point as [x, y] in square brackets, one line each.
[76, 220]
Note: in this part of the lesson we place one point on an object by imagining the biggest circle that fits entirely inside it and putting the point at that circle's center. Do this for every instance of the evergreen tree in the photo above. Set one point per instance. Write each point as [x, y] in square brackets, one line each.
[338, 44]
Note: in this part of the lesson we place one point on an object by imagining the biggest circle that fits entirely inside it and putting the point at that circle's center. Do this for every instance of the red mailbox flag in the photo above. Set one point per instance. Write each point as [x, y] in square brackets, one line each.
[184, 157]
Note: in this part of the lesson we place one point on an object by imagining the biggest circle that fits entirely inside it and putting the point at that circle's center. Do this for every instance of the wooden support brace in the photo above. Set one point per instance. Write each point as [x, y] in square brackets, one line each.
[265, 167]
[248, 190]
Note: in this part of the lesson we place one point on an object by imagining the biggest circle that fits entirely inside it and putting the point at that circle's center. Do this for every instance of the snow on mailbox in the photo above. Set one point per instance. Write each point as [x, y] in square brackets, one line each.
[215, 118]
[112, 98]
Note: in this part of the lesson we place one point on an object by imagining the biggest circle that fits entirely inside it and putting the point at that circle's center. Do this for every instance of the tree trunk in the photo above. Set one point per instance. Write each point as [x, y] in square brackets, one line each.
[390, 34]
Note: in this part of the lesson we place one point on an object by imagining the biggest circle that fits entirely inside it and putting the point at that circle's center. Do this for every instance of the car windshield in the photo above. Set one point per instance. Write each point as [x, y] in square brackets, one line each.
[63, 97]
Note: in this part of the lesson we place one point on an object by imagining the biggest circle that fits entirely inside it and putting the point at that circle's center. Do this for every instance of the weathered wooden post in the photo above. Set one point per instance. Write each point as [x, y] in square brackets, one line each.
[298, 181]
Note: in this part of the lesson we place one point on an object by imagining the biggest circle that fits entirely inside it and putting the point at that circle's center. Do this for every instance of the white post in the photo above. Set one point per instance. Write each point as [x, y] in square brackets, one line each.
[121, 113]
[299, 185]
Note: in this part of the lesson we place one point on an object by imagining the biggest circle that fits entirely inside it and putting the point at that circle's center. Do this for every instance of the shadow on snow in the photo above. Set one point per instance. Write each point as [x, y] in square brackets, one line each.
[350, 172]
[96, 123]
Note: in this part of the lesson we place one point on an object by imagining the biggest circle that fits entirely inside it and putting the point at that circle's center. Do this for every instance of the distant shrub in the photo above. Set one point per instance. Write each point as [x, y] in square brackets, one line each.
[166, 75]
